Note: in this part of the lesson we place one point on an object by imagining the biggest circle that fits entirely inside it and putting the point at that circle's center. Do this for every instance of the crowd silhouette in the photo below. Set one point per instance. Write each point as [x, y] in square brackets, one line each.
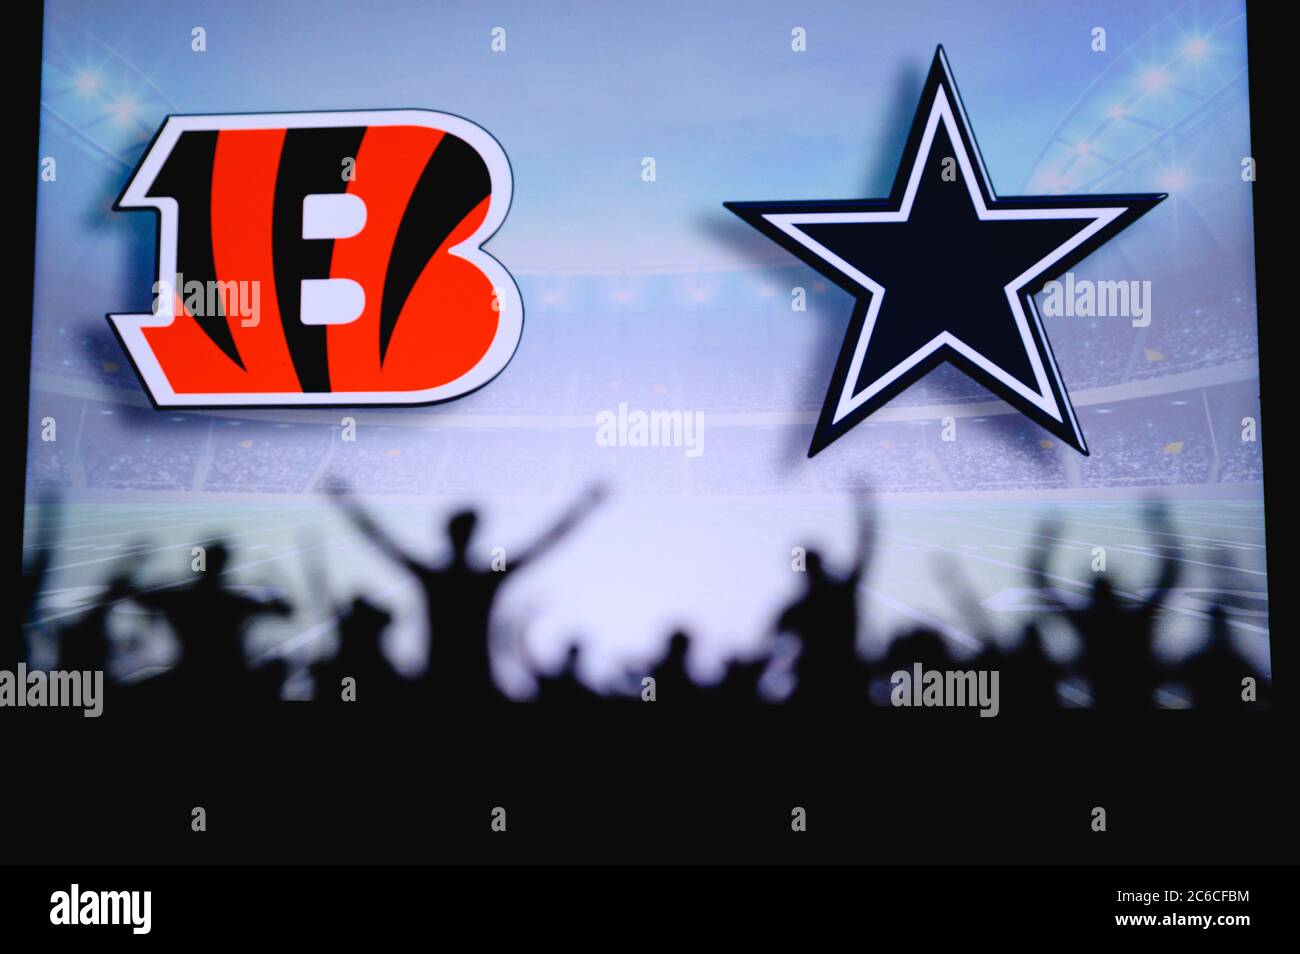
[1116, 666]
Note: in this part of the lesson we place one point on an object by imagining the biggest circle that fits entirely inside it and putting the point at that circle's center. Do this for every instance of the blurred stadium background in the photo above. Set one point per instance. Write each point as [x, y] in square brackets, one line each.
[1162, 406]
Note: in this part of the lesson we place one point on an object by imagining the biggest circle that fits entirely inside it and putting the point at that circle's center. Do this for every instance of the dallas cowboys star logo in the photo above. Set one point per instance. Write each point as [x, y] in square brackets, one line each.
[945, 270]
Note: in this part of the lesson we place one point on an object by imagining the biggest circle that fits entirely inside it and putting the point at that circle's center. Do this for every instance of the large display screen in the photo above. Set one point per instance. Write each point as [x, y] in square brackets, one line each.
[532, 351]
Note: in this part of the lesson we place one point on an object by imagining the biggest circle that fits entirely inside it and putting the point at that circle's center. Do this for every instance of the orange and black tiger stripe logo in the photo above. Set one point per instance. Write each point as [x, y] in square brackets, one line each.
[323, 259]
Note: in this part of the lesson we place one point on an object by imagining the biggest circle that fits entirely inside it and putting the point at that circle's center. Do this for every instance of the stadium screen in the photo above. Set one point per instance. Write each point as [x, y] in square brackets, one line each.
[466, 376]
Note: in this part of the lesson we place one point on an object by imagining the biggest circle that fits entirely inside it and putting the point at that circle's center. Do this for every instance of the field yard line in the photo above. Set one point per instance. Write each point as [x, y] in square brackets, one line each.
[924, 618]
[317, 630]
[1121, 547]
[30, 516]
[76, 611]
[1197, 614]
[1197, 524]
[1235, 544]
[1172, 533]
[1192, 517]
[65, 540]
[60, 527]
[218, 538]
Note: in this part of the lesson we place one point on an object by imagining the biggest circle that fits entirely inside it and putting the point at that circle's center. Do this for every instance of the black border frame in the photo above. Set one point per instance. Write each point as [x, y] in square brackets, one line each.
[28, 25]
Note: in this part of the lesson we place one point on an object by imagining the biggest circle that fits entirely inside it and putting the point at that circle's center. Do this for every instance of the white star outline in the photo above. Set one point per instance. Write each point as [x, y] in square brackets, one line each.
[1045, 397]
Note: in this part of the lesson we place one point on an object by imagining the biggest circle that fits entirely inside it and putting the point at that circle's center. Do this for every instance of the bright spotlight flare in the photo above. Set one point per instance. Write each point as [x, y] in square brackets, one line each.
[124, 109]
[1196, 48]
[87, 82]
[1154, 80]
[1172, 180]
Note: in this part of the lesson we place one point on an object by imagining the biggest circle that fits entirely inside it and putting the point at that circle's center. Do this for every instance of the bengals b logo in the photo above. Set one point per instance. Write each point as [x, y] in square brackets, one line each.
[323, 259]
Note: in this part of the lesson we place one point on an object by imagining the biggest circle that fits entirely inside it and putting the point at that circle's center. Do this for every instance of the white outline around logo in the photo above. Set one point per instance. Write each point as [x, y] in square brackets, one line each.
[510, 320]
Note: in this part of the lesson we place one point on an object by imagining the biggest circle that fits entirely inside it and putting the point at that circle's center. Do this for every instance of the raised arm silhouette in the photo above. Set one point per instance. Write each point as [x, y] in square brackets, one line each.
[209, 619]
[825, 620]
[1117, 628]
[459, 595]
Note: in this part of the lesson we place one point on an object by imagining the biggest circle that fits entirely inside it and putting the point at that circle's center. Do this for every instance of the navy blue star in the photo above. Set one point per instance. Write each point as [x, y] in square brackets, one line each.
[944, 270]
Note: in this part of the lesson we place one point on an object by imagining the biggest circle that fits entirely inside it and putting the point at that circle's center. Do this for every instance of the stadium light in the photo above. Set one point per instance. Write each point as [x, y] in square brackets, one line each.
[123, 109]
[87, 82]
[1155, 80]
[1196, 48]
[1172, 180]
